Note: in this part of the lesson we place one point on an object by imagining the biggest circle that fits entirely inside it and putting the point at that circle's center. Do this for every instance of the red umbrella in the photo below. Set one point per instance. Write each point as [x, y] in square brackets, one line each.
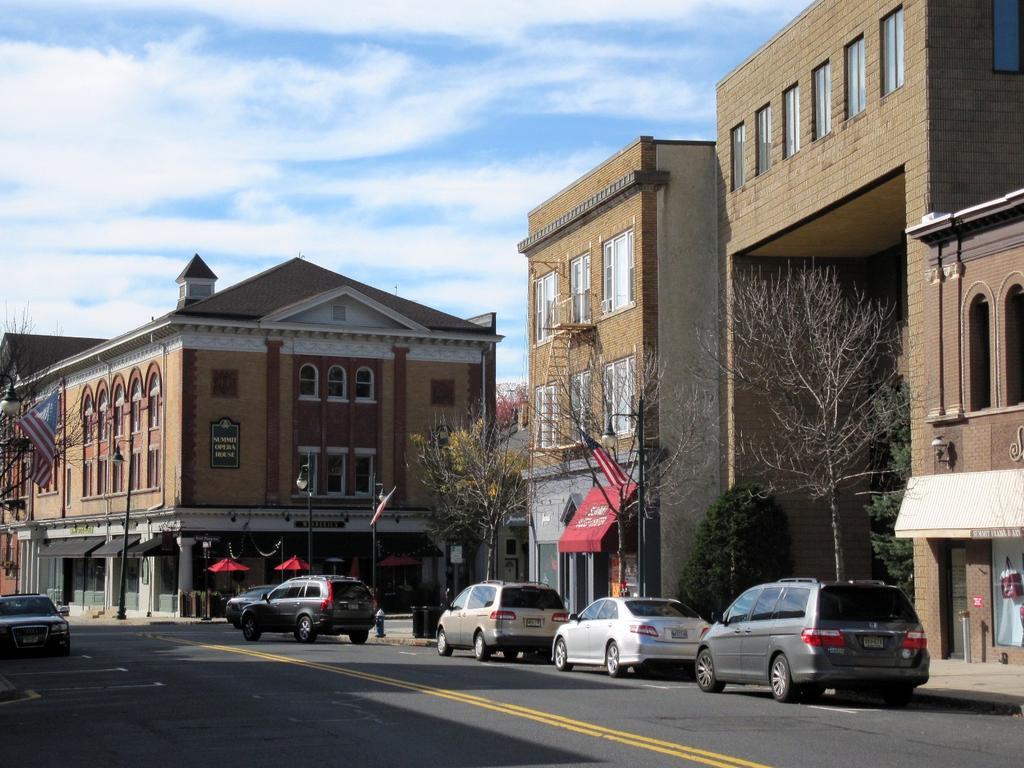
[293, 563]
[227, 564]
[393, 561]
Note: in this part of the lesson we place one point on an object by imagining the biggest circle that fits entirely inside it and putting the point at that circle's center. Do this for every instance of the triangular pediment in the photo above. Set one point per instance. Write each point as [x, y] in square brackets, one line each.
[342, 308]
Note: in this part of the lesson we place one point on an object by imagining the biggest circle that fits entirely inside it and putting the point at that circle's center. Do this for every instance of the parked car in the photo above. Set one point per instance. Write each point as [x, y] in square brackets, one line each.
[802, 636]
[33, 623]
[627, 632]
[233, 607]
[511, 617]
[312, 605]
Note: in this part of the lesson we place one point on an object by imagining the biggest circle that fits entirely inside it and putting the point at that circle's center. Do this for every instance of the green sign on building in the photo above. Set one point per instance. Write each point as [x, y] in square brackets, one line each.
[224, 444]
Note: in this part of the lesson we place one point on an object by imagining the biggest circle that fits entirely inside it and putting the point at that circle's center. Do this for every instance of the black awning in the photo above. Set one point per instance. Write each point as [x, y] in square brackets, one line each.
[152, 548]
[113, 547]
[78, 546]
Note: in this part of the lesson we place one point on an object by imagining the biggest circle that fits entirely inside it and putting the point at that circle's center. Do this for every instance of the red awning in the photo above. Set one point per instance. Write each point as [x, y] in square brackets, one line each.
[594, 526]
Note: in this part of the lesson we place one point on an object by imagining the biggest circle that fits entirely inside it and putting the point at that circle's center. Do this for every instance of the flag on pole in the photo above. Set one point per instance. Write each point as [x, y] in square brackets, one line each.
[380, 507]
[40, 426]
[608, 465]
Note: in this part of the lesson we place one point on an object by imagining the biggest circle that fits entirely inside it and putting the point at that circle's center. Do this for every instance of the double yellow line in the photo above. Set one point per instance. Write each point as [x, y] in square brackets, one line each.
[668, 748]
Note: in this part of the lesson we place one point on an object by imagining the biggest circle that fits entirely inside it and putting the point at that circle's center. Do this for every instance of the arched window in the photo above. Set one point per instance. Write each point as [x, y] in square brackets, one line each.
[336, 382]
[980, 350]
[118, 410]
[136, 405]
[364, 384]
[153, 405]
[103, 414]
[308, 381]
[87, 419]
[1014, 314]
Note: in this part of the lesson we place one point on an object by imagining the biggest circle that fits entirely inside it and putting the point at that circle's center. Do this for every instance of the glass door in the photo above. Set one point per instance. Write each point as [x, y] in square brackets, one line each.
[956, 597]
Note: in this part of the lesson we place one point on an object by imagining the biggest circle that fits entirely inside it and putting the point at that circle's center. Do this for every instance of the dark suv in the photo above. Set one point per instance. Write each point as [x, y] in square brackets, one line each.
[801, 636]
[311, 606]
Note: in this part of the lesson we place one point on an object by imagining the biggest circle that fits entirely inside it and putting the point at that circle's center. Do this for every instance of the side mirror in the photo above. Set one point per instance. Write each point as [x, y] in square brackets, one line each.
[573, 617]
[63, 610]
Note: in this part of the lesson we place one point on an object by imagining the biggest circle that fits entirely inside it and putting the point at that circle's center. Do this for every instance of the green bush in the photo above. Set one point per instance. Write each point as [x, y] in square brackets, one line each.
[742, 541]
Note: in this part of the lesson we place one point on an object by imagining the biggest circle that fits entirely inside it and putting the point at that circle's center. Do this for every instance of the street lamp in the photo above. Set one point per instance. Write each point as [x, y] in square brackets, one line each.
[609, 440]
[11, 403]
[374, 501]
[118, 460]
[302, 482]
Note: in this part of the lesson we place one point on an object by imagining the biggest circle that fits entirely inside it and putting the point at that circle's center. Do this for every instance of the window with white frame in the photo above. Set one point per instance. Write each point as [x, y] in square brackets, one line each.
[310, 458]
[545, 294]
[738, 141]
[335, 472]
[791, 118]
[153, 405]
[87, 420]
[87, 471]
[580, 400]
[134, 467]
[67, 487]
[364, 384]
[579, 286]
[892, 51]
[619, 387]
[764, 139]
[546, 412]
[153, 468]
[136, 406]
[104, 416]
[101, 476]
[308, 384]
[364, 474]
[336, 383]
[823, 100]
[618, 272]
[856, 79]
[118, 410]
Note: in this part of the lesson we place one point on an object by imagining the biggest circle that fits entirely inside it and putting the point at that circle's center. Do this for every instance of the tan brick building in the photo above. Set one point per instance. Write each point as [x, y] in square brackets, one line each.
[621, 262]
[853, 122]
[219, 404]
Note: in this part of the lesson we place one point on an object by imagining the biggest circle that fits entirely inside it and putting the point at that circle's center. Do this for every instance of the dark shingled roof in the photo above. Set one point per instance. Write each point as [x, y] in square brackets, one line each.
[197, 268]
[297, 280]
[31, 352]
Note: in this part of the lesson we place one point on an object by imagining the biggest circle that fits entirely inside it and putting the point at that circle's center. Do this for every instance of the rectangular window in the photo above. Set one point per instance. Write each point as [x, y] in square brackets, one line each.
[619, 387]
[101, 477]
[823, 100]
[1007, 35]
[153, 469]
[892, 51]
[67, 487]
[739, 136]
[335, 473]
[791, 117]
[580, 400]
[87, 470]
[546, 412]
[618, 272]
[309, 457]
[856, 81]
[364, 475]
[134, 466]
[545, 293]
[579, 286]
[764, 139]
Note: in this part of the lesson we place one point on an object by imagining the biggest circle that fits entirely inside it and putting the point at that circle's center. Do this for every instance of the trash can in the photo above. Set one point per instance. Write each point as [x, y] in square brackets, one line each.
[418, 618]
[431, 615]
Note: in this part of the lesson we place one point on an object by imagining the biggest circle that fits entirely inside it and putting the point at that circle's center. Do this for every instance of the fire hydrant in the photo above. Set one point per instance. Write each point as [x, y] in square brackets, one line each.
[379, 621]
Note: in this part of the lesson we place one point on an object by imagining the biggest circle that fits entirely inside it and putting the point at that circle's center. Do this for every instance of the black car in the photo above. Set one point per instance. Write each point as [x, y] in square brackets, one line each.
[312, 605]
[234, 607]
[32, 623]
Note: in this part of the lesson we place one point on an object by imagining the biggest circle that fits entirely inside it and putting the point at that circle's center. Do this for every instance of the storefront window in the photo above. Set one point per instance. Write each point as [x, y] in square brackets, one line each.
[547, 564]
[1008, 591]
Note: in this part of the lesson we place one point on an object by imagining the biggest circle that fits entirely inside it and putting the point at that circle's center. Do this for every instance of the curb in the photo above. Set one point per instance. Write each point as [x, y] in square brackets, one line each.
[967, 702]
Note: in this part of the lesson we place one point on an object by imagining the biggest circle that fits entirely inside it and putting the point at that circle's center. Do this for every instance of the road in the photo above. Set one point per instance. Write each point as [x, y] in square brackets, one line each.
[193, 695]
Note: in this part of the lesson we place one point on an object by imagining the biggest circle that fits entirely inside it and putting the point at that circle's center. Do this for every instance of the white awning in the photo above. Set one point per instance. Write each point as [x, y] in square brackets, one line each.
[979, 505]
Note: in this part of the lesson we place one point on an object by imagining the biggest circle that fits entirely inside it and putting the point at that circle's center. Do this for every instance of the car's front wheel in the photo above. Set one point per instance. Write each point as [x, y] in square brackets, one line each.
[250, 629]
[611, 660]
[704, 671]
[304, 631]
[358, 638]
[443, 649]
[480, 649]
[782, 681]
[562, 656]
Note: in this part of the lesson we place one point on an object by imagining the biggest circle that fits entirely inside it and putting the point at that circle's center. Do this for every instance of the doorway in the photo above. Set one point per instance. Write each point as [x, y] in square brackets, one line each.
[956, 597]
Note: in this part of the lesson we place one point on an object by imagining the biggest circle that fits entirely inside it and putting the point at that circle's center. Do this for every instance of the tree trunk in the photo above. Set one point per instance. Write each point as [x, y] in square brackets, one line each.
[837, 533]
[489, 570]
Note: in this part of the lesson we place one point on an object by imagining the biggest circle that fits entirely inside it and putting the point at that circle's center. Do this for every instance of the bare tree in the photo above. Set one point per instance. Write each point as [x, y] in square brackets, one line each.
[476, 478]
[813, 351]
[510, 400]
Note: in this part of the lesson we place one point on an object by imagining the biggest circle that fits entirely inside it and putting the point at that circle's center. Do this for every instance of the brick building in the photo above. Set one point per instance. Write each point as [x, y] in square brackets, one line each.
[215, 407]
[858, 118]
[965, 508]
[620, 262]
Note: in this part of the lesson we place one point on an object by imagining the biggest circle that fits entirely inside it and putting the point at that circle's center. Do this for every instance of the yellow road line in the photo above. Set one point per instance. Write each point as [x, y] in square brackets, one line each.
[671, 749]
[29, 696]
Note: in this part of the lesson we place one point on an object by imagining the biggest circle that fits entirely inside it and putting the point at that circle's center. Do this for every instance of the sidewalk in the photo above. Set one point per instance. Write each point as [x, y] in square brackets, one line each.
[989, 686]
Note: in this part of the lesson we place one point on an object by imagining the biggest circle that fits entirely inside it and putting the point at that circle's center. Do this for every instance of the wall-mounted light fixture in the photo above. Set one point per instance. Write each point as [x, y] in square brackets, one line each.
[942, 448]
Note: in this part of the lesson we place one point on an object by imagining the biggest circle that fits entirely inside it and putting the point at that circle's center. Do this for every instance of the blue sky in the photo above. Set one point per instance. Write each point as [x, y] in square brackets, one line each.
[400, 143]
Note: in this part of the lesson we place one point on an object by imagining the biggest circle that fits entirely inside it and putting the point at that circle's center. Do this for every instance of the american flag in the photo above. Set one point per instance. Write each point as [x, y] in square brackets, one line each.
[380, 507]
[608, 465]
[40, 426]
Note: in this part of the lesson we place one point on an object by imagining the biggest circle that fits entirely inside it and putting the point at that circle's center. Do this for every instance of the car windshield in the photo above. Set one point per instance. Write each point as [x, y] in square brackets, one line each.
[26, 606]
[667, 608]
[350, 591]
[255, 593]
[842, 603]
[531, 597]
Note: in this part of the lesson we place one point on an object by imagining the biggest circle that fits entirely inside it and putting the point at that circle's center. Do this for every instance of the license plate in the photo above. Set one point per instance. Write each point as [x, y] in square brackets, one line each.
[31, 638]
[873, 641]
[680, 634]
[533, 622]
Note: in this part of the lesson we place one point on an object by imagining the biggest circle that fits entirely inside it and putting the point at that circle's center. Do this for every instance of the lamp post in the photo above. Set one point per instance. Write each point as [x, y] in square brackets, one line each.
[11, 403]
[118, 461]
[609, 439]
[302, 482]
[376, 497]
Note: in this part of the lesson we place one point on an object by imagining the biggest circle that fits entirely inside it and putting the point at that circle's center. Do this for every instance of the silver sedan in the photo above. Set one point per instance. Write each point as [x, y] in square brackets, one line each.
[623, 632]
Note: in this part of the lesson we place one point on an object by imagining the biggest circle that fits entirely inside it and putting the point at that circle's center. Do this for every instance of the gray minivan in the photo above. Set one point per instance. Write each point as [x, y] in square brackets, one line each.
[801, 636]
